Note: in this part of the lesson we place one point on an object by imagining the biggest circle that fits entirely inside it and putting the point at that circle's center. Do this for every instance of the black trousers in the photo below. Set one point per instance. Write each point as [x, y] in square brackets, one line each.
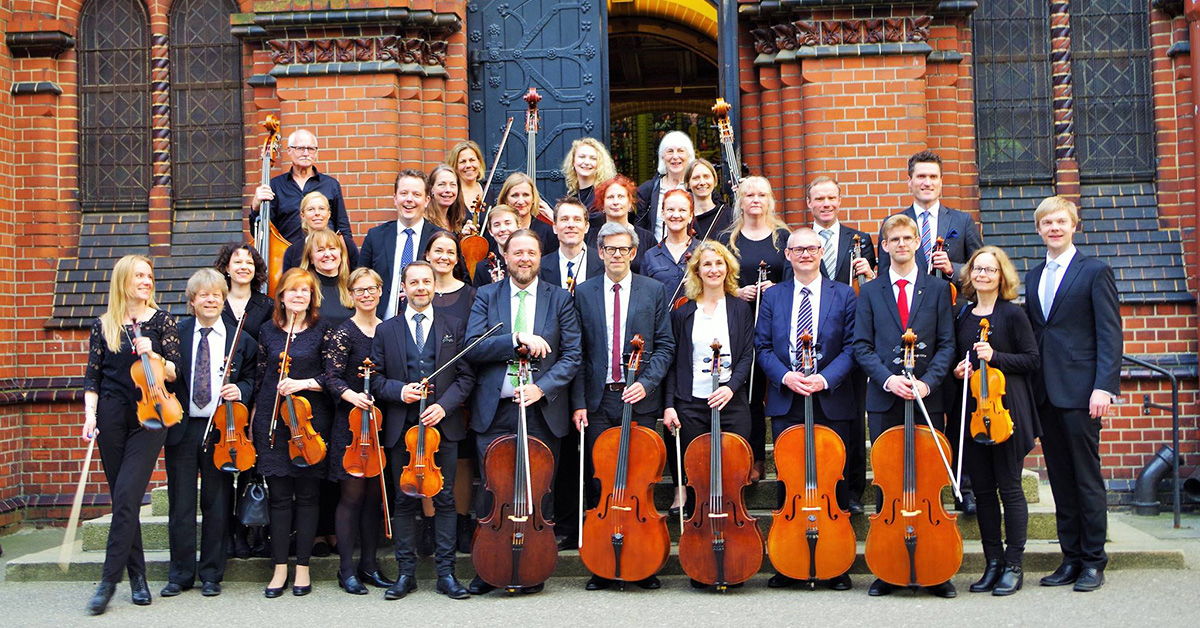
[1071, 445]
[294, 505]
[566, 484]
[844, 430]
[504, 424]
[184, 461]
[856, 444]
[128, 452]
[758, 415]
[445, 519]
[881, 422]
[997, 468]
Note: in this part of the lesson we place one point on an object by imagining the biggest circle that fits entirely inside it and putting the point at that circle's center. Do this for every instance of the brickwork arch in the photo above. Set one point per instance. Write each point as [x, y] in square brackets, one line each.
[700, 15]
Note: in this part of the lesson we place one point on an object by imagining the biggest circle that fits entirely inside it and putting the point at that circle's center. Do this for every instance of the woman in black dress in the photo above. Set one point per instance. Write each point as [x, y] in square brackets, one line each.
[128, 450]
[359, 507]
[990, 281]
[294, 490]
[616, 197]
[757, 235]
[325, 255]
[246, 273]
[314, 217]
[712, 216]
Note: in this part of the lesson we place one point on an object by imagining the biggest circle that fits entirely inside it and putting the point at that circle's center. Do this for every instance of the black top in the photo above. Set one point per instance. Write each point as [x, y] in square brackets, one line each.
[751, 252]
[295, 251]
[457, 303]
[713, 222]
[307, 354]
[332, 310]
[108, 372]
[258, 312]
[348, 347]
[586, 196]
[285, 209]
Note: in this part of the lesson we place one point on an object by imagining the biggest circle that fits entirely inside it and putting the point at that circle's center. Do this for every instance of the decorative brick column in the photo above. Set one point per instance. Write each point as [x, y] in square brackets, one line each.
[1066, 168]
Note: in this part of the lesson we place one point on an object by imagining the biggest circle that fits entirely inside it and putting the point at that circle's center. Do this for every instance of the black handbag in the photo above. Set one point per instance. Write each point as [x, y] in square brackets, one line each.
[252, 508]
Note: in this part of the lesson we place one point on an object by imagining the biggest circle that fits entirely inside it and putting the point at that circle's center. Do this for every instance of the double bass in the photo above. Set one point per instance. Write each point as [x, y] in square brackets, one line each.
[912, 541]
[157, 407]
[305, 445]
[810, 538]
[475, 247]
[514, 546]
[532, 122]
[991, 423]
[234, 451]
[733, 163]
[624, 536]
[721, 544]
[364, 455]
[270, 243]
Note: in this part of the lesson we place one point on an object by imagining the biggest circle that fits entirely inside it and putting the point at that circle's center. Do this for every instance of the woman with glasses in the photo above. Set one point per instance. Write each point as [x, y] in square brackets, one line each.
[990, 282]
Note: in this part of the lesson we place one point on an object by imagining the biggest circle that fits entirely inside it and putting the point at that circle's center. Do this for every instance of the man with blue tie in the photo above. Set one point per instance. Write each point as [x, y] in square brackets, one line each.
[389, 247]
[1071, 300]
[574, 259]
[824, 309]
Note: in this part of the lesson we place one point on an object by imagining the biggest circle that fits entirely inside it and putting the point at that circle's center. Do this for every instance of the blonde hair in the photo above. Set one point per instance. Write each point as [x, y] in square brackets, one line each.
[288, 281]
[1052, 204]
[309, 199]
[456, 151]
[325, 238]
[897, 221]
[1009, 281]
[205, 279]
[694, 286]
[605, 168]
[118, 299]
[739, 220]
[513, 180]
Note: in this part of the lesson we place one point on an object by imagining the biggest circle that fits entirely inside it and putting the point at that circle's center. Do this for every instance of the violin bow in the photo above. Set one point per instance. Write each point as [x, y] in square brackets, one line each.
[582, 454]
[681, 491]
[64, 552]
[492, 172]
[464, 351]
[286, 345]
[941, 453]
[962, 421]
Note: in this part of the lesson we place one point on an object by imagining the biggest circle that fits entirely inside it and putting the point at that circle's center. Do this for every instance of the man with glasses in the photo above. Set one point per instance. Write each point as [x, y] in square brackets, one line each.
[286, 190]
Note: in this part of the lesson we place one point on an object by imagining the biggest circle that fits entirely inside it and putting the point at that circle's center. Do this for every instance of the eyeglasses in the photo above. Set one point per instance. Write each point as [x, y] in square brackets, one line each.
[617, 250]
[372, 290]
[811, 250]
[990, 271]
[303, 149]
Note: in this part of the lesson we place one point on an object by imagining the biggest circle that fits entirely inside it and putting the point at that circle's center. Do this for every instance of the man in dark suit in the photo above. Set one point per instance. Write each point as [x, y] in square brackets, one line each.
[205, 343]
[574, 258]
[903, 298]
[825, 203]
[389, 247]
[612, 310]
[1072, 303]
[539, 316]
[408, 348]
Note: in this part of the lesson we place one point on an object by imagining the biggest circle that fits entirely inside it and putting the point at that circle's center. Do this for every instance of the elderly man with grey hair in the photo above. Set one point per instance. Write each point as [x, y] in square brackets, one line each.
[675, 154]
[286, 190]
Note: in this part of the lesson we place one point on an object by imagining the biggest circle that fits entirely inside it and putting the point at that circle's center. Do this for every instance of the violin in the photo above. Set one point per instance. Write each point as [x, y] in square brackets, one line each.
[364, 455]
[234, 451]
[855, 255]
[811, 537]
[495, 270]
[571, 285]
[422, 477]
[677, 300]
[158, 407]
[305, 445]
[624, 537]
[721, 544]
[939, 245]
[270, 243]
[475, 247]
[912, 541]
[991, 424]
[532, 122]
[514, 546]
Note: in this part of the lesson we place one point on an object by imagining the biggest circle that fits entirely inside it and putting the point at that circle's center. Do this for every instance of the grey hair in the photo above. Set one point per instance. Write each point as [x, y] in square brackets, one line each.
[616, 228]
[672, 140]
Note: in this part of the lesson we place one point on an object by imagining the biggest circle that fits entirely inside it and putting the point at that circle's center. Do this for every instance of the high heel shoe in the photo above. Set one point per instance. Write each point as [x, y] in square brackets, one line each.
[991, 574]
[272, 593]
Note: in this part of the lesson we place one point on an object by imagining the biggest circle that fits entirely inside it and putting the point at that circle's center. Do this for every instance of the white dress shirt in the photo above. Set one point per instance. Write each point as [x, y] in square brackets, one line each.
[908, 291]
[626, 283]
[934, 211]
[506, 389]
[216, 360]
[815, 299]
[401, 239]
[426, 323]
[578, 267]
[1063, 261]
[705, 328]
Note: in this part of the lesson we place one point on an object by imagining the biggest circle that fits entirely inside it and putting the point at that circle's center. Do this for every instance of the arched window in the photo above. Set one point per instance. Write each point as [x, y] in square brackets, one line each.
[114, 105]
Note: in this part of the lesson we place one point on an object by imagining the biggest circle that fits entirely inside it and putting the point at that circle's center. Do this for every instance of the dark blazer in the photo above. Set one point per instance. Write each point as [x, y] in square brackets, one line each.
[660, 266]
[379, 254]
[551, 273]
[450, 388]
[648, 315]
[646, 207]
[555, 321]
[959, 249]
[741, 346]
[1081, 342]
[241, 372]
[258, 311]
[293, 253]
[835, 336]
[877, 337]
[845, 245]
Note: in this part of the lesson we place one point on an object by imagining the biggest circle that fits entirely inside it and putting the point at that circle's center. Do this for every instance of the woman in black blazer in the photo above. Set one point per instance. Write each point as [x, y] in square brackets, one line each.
[246, 273]
[990, 281]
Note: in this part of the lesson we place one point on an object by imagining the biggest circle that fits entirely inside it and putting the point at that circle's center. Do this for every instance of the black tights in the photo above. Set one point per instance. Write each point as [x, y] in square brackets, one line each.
[357, 518]
[293, 498]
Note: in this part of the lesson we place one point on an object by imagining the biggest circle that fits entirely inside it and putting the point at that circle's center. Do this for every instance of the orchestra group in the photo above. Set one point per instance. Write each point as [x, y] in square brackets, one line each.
[370, 387]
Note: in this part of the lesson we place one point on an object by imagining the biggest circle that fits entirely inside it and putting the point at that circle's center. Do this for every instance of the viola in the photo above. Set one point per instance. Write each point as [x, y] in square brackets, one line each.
[939, 245]
[422, 477]
[625, 538]
[532, 122]
[991, 422]
[158, 407]
[811, 537]
[270, 243]
[571, 285]
[495, 270]
[912, 541]
[364, 455]
[305, 445]
[514, 546]
[475, 247]
[855, 255]
[234, 451]
[721, 544]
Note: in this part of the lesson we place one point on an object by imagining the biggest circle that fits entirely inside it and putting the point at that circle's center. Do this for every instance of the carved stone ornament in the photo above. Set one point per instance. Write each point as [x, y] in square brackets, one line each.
[771, 38]
[405, 50]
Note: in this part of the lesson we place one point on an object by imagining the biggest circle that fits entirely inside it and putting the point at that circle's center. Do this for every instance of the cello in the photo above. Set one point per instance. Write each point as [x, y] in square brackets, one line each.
[811, 537]
[721, 544]
[270, 243]
[991, 424]
[157, 407]
[532, 122]
[912, 541]
[624, 536]
[475, 247]
[514, 546]
[305, 445]
[364, 455]
[234, 451]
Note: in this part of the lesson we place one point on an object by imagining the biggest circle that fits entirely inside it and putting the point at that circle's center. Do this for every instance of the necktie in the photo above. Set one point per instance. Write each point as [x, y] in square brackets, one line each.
[570, 269]
[1048, 288]
[804, 319]
[902, 302]
[419, 332]
[616, 337]
[926, 239]
[519, 326]
[829, 257]
[406, 257]
[202, 378]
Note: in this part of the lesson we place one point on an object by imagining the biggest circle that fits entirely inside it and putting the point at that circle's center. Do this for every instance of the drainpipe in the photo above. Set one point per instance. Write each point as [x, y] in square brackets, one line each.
[1192, 12]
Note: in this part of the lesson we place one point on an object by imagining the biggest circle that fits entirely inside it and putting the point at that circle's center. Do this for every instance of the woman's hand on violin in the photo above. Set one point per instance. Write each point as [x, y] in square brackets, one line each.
[357, 399]
[532, 394]
[963, 370]
[433, 415]
[230, 392]
[720, 397]
[289, 386]
[89, 428]
[671, 419]
[747, 293]
[545, 209]
[580, 418]
[469, 229]
[143, 346]
[634, 393]
[984, 351]
[411, 392]
[863, 267]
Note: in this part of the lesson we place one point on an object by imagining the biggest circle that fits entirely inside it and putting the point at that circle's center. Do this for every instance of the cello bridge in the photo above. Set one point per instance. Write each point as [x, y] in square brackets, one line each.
[718, 515]
[516, 519]
[909, 513]
[811, 508]
[625, 508]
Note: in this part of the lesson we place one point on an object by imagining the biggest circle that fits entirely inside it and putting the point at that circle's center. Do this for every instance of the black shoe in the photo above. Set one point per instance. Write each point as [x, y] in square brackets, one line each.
[1089, 579]
[1066, 573]
[479, 587]
[211, 589]
[596, 583]
[780, 581]
[537, 588]
[879, 587]
[352, 585]
[320, 549]
[271, 593]
[375, 579]
[840, 583]
[172, 589]
[650, 583]
[944, 590]
[404, 585]
[450, 587]
[968, 504]
[696, 584]
[99, 602]
[855, 507]
[241, 549]
[301, 591]
[425, 538]
[565, 543]
[1010, 581]
[141, 590]
[464, 533]
[991, 574]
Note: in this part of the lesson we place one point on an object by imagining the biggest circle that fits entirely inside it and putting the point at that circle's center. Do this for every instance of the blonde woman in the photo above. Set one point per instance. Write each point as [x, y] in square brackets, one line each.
[314, 217]
[712, 216]
[520, 193]
[325, 255]
[466, 158]
[586, 164]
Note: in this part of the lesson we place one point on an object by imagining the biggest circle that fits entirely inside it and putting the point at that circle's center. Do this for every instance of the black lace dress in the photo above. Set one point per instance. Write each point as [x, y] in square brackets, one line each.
[108, 372]
[348, 347]
[306, 352]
